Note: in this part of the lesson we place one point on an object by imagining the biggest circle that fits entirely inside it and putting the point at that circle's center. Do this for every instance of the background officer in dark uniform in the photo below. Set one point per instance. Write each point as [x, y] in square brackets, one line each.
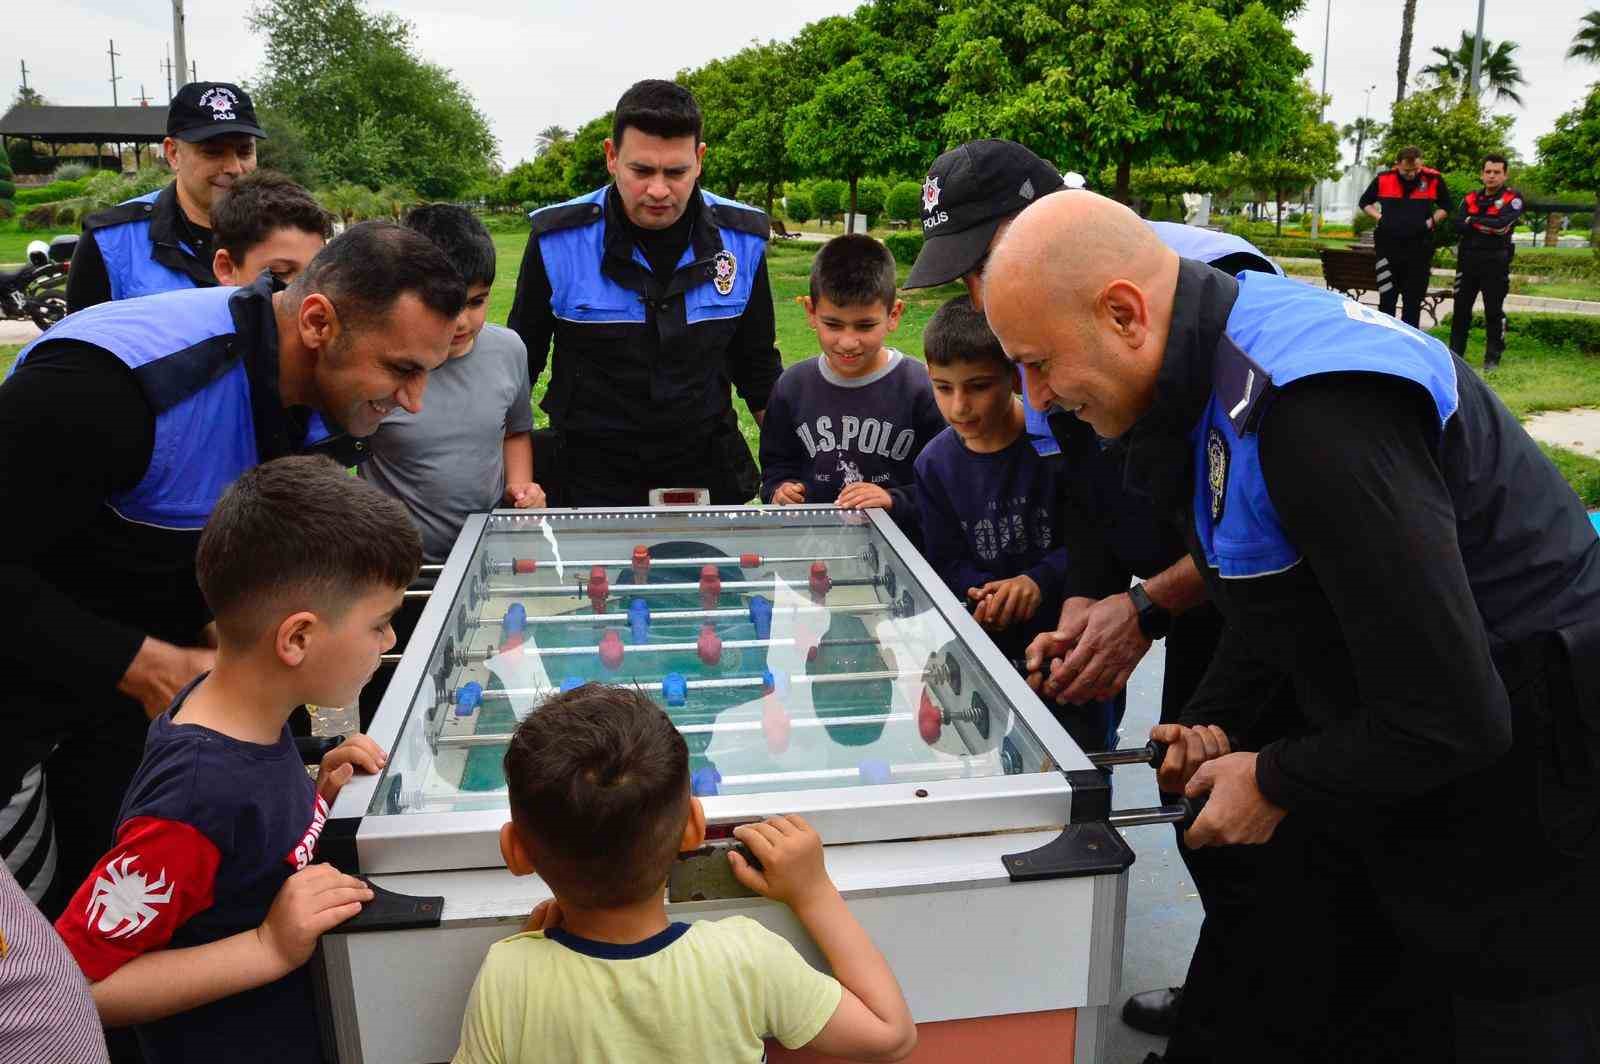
[1115, 535]
[1486, 218]
[656, 295]
[162, 241]
[1380, 532]
[1408, 202]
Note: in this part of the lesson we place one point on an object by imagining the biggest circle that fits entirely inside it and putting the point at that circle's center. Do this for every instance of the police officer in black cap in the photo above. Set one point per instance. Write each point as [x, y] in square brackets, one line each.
[1487, 217]
[162, 241]
[971, 194]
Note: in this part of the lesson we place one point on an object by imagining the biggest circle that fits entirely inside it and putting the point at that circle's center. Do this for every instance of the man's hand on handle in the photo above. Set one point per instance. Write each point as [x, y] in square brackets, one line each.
[1092, 652]
[160, 670]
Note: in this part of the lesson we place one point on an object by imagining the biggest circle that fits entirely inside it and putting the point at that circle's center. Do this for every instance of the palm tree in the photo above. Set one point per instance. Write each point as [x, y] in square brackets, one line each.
[1361, 131]
[1500, 71]
[1408, 21]
[550, 135]
[1586, 42]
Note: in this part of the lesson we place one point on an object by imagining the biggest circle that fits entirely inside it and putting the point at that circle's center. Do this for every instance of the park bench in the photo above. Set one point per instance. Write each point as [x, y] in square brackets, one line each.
[1354, 272]
[780, 232]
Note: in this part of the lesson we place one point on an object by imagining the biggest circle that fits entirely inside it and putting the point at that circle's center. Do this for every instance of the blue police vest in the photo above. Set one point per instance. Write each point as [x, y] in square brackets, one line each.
[126, 250]
[179, 347]
[581, 293]
[1281, 331]
[1190, 242]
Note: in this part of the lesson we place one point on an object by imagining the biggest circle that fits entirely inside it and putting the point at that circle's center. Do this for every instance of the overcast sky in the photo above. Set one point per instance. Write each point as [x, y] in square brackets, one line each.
[556, 61]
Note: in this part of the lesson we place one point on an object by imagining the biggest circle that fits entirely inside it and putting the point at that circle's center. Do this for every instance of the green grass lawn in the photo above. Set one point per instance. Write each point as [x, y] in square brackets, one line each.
[14, 242]
[1571, 289]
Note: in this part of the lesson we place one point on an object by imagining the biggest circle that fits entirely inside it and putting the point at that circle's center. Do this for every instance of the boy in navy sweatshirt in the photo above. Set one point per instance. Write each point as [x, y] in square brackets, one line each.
[991, 516]
[847, 426]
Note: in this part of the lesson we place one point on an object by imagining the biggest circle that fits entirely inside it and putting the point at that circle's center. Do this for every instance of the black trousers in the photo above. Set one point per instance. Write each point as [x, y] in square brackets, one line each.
[1403, 272]
[1489, 273]
[578, 470]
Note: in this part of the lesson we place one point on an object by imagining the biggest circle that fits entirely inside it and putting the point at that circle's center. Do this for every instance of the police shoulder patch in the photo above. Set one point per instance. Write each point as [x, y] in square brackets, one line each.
[1516, 204]
[1217, 472]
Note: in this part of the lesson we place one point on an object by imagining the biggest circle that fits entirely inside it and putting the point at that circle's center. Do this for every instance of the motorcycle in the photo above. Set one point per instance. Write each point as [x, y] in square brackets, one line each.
[38, 289]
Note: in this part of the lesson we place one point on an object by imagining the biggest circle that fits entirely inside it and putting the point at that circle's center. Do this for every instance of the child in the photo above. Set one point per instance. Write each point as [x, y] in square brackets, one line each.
[266, 222]
[197, 924]
[469, 449]
[846, 427]
[991, 520]
[600, 809]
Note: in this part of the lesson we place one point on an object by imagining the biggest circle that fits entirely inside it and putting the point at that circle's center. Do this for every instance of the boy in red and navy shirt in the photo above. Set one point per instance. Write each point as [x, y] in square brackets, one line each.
[196, 926]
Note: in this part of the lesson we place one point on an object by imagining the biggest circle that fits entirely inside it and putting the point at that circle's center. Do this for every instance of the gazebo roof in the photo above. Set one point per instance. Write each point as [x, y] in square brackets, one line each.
[86, 125]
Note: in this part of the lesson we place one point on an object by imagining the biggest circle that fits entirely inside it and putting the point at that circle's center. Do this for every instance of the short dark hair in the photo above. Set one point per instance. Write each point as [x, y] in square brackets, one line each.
[958, 332]
[598, 779]
[260, 202]
[300, 533]
[1496, 157]
[851, 270]
[1410, 151]
[464, 240]
[659, 108]
[370, 265]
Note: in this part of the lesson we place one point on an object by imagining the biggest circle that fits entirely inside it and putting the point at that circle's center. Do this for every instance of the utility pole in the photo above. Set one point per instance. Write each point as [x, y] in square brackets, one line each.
[24, 76]
[1322, 105]
[111, 50]
[166, 68]
[179, 47]
[194, 75]
[1477, 51]
[144, 100]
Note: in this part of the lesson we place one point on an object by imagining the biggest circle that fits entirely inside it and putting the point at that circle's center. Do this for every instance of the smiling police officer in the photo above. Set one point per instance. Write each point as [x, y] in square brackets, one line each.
[162, 241]
[1380, 532]
[656, 295]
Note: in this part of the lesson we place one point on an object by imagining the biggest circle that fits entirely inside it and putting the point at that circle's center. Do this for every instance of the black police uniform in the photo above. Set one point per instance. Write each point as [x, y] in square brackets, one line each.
[1404, 237]
[1483, 264]
[614, 438]
[1446, 604]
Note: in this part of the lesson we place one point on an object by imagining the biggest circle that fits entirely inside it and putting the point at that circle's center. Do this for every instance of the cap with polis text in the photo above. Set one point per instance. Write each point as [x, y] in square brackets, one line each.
[205, 109]
[970, 190]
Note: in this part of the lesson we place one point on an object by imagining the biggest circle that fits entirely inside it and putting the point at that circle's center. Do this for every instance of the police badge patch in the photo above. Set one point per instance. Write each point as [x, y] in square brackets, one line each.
[724, 269]
[1217, 472]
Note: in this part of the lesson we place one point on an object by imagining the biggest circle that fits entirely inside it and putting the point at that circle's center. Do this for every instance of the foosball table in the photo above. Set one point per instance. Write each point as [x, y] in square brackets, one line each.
[814, 664]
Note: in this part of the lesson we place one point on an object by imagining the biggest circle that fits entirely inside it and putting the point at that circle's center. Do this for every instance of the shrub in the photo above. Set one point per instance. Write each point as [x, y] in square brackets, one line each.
[1581, 222]
[71, 171]
[1581, 332]
[870, 196]
[107, 188]
[1362, 222]
[40, 217]
[1166, 212]
[54, 192]
[904, 202]
[828, 199]
[797, 207]
[904, 246]
[7, 210]
[66, 215]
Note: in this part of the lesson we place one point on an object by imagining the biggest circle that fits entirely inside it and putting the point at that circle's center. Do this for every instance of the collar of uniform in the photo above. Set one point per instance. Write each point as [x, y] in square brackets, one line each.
[279, 430]
[621, 266]
[167, 246]
[1201, 303]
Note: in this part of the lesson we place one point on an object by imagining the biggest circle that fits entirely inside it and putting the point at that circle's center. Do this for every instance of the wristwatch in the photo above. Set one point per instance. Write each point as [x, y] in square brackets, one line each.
[1154, 621]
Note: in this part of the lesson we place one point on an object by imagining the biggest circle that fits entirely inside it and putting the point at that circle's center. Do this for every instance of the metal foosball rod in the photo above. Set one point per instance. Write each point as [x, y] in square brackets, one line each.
[713, 614]
[523, 566]
[718, 728]
[619, 591]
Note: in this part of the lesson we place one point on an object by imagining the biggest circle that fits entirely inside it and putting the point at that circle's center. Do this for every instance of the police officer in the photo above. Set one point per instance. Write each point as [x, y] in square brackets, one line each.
[162, 241]
[1380, 532]
[656, 294]
[134, 416]
[1408, 202]
[971, 194]
[1487, 217]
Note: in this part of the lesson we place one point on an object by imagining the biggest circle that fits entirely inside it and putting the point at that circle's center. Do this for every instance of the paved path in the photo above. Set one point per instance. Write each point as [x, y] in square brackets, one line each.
[17, 332]
[1576, 430]
[1524, 304]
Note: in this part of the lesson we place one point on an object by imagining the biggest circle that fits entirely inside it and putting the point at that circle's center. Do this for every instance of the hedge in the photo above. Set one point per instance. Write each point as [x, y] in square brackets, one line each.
[54, 192]
[904, 246]
[1557, 330]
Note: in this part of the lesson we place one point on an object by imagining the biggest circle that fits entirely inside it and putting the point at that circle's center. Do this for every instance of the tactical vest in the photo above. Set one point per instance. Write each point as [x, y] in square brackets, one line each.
[1427, 188]
[1281, 331]
[182, 353]
[1190, 242]
[127, 249]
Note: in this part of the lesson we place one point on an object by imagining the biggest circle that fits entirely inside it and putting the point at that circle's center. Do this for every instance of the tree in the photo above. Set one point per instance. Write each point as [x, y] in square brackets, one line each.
[1586, 42]
[287, 149]
[28, 96]
[381, 113]
[549, 137]
[744, 100]
[584, 169]
[797, 206]
[827, 199]
[848, 129]
[351, 202]
[1169, 181]
[1361, 131]
[904, 202]
[1570, 154]
[1097, 83]
[1499, 68]
[1408, 22]
[8, 188]
[1308, 155]
[1453, 131]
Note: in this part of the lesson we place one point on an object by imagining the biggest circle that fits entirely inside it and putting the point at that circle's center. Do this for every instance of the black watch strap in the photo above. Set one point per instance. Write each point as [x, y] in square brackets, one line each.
[1154, 621]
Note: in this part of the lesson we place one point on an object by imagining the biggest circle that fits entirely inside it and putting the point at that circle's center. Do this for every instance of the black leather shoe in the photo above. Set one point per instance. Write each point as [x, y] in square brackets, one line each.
[1154, 1011]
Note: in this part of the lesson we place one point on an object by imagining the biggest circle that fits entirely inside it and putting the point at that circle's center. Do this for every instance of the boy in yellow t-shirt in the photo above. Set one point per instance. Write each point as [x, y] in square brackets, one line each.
[600, 807]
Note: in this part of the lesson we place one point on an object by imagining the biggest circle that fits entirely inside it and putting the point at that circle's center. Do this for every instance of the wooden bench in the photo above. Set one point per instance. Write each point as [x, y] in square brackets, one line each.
[781, 233]
[1354, 272]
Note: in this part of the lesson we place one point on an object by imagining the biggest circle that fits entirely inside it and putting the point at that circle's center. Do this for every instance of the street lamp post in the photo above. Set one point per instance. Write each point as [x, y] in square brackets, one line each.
[1477, 51]
[1322, 104]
